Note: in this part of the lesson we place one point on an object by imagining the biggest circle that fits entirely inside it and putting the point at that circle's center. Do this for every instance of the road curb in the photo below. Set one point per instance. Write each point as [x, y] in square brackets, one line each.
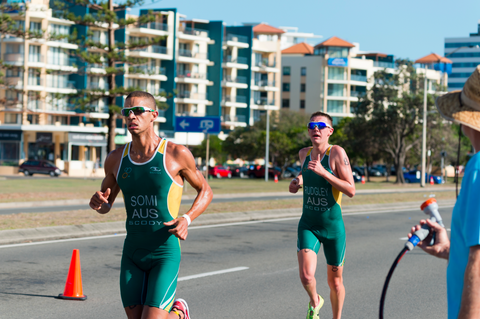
[15, 236]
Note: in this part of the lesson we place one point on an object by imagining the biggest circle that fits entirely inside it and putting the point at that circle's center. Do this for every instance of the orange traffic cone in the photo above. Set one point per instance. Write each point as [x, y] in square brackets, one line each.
[363, 179]
[276, 179]
[73, 287]
[431, 180]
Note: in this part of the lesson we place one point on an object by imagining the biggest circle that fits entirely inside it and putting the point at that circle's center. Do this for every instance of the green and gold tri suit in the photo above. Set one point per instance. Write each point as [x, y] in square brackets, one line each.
[151, 255]
[321, 221]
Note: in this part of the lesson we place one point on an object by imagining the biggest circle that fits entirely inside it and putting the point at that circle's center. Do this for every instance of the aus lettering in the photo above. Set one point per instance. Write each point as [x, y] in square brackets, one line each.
[317, 201]
[147, 213]
[143, 200]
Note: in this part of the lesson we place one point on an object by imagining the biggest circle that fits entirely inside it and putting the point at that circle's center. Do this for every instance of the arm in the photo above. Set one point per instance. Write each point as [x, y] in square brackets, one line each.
[470, 307]
[343, 178]
[188, 171]
[103, 200]
[297, 182]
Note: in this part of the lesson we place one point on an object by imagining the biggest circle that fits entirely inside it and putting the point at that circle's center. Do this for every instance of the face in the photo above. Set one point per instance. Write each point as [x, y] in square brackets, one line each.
[318, 136]
[141, 122]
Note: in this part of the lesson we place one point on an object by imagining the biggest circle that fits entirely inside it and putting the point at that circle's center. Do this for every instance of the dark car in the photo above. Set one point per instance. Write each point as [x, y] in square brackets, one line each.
[291, 171]
[31, 167]
[356, 176]
[239, 171]
[414, 177]
[259, 171]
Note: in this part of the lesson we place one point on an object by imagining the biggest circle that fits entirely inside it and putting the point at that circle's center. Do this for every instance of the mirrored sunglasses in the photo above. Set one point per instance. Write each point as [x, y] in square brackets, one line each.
[319, 125]
[136, 110]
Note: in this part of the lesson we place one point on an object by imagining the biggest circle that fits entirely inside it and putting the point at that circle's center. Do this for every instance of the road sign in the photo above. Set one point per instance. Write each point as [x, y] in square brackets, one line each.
[193, 124]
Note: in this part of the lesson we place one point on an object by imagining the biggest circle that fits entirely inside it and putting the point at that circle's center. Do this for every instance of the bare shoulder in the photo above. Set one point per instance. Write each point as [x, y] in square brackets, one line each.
[114, 157]
[304, 151]
[337, 151]
[178, 151]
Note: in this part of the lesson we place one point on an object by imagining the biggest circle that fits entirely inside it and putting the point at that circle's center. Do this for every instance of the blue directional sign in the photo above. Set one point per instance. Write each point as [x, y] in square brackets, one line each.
[193, 124]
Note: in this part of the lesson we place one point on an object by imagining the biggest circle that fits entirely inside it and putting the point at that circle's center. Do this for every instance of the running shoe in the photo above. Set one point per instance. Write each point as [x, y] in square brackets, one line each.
[182, 306]
[314, 313]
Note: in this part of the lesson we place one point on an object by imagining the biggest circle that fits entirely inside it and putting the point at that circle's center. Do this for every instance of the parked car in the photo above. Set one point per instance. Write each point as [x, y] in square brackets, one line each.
[356, 176]
[239, 171]
[291, 172]
[358, 170]
[219, 171]
[259, 171]
[31, 167]
[415, 176]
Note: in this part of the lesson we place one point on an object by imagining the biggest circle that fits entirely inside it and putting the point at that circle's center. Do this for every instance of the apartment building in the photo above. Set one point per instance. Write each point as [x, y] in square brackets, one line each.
[330, 76]
[211, 69]
[465, 55]
[292, 36]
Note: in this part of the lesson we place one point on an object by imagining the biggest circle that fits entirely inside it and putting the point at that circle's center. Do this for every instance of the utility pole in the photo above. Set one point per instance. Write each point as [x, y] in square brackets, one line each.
[424, 131]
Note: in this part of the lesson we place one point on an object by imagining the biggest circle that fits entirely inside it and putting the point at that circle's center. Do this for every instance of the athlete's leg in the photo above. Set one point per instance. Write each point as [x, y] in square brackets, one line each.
[307, 264]
[337, 290]
[157, 313]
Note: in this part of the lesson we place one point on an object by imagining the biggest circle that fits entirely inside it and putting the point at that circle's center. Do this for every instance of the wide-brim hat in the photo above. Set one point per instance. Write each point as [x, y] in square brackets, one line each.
[463, 106]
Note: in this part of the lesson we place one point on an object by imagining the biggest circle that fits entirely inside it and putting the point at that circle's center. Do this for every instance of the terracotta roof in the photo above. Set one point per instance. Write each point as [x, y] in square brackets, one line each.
[299, 48]
[267, 29]
[335, 42]
[433, 58]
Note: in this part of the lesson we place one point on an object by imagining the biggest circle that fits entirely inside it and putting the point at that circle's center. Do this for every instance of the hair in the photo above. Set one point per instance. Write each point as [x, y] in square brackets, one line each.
[145, 95]
[322, 114]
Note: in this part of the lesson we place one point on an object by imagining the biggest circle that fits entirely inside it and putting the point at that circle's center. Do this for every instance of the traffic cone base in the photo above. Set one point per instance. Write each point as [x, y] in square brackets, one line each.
[363, 179]
[73, 286]
[276, 179]
[431, 180]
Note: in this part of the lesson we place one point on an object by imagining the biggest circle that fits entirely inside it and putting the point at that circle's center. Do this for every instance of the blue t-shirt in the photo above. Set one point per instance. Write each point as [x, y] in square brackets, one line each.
[465, 233]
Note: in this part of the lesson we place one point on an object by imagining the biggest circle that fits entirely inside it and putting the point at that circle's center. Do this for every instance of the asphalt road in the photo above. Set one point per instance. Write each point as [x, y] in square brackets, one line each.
[32, 275]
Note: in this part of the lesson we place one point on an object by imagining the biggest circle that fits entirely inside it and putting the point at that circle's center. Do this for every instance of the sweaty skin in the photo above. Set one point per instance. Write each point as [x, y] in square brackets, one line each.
[180, 165]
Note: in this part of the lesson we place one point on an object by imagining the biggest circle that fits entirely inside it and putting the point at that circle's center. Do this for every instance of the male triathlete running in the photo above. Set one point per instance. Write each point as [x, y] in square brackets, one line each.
[150, 172]
[325, 175]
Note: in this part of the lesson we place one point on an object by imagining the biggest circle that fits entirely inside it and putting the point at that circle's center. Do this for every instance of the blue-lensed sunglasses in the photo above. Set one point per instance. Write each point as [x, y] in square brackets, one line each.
[319, 125]
[137, 110]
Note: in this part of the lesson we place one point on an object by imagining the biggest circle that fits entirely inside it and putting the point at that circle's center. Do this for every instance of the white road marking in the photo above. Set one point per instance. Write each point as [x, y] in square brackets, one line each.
[210, 226]
[212, 273]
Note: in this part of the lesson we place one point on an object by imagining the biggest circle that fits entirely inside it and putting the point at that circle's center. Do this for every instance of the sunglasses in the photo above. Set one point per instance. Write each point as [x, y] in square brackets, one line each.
[319, 125]
[136, 110]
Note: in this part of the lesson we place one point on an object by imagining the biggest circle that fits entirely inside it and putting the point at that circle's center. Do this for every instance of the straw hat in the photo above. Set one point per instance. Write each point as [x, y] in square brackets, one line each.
[463, 106]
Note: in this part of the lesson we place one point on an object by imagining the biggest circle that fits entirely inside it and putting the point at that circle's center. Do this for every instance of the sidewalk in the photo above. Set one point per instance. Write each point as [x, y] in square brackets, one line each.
[76, 231]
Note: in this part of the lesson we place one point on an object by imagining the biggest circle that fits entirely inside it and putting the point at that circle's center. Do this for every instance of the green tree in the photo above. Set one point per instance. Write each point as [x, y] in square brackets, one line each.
[111, 54]
[215, 149]
[393, 110]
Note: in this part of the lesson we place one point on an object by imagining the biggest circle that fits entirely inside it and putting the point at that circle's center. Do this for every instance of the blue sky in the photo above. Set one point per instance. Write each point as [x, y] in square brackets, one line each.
[407, 29]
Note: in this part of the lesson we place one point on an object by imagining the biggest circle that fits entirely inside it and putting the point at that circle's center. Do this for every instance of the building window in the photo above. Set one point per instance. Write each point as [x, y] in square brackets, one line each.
[286, 70]
[286, 103]
[303, 87]
[12, 118]
[334, 106]
[303, 71]
[335, 89]
[286, 87]
[302, 104]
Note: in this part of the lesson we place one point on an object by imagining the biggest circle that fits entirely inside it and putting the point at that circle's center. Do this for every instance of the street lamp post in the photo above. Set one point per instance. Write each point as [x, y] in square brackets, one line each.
[267, 142]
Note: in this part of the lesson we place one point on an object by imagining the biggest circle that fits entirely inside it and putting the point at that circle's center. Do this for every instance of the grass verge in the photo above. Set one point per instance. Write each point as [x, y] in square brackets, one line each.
[77, 217]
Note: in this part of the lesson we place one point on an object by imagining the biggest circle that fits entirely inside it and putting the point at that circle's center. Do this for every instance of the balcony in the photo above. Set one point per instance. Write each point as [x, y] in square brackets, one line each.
[147, 70]
[63, 61]
[36, 58]
[264, 63]
[157, 49]
[60, 107]
[192, 95]
[384, 64]
[236, 38]
[15, 81]
[264, 83]
[154, 26]
[264, 101]
[194, 32]
[235, 99]
[335, 93]
[194, 55]
[192, 75]
[96, 86]
[238, 79]
[239, 59]
[357, 93]
[14, 57]
[234, 118]
[360, 78]
[158, 91]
